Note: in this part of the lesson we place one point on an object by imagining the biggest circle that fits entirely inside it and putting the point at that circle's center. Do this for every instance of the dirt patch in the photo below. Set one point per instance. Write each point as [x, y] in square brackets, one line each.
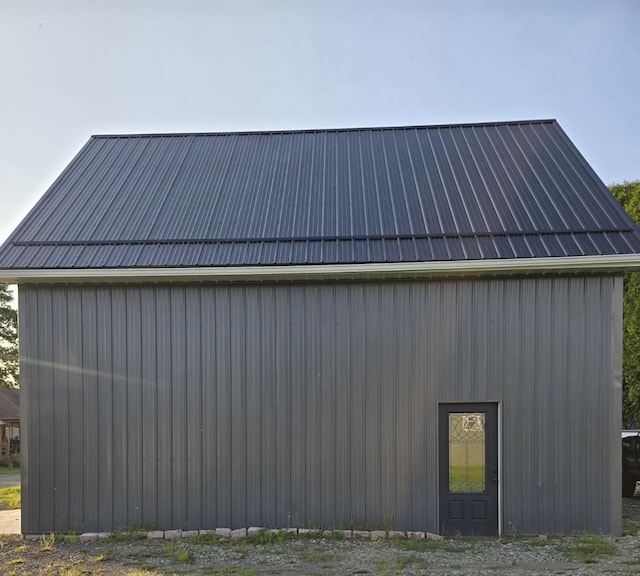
[125, 554]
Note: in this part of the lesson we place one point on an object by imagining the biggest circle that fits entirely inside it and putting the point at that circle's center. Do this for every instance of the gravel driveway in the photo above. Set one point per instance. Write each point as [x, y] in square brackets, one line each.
[123, 554]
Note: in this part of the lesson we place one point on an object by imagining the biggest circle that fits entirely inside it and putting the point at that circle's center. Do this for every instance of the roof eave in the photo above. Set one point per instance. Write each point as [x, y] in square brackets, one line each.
[604, 264]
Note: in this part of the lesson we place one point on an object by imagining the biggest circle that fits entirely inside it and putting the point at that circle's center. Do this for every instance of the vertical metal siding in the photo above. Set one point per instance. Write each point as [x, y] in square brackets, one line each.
[612, 367]
[314, 404]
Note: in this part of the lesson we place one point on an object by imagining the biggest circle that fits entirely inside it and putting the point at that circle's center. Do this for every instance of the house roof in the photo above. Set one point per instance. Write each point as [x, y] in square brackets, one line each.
[9, 404]
[458, 193]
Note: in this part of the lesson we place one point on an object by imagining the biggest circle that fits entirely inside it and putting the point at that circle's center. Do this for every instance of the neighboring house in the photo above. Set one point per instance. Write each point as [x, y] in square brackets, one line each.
[9, 422]
[415, 328]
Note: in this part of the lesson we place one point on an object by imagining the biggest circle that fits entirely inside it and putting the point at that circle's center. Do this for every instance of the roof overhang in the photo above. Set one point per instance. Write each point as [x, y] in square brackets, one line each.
[601, 264]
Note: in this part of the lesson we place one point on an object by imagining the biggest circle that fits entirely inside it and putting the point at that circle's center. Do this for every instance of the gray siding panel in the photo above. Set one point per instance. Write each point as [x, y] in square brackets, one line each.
[86, 357]
[46, 430]
[149, 413]
[28, 406]
[61, 416]
[164, 421]
[314, 405]
[76, 404]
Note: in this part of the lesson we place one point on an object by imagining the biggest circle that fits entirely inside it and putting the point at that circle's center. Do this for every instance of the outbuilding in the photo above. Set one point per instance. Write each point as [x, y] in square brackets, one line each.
[411, 328]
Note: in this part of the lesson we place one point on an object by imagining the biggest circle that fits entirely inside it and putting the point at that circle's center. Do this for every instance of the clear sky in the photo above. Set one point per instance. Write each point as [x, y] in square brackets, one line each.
[72, 68]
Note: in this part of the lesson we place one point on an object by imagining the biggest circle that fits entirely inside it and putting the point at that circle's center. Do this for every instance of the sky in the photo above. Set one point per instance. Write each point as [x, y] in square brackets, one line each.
[70, 69]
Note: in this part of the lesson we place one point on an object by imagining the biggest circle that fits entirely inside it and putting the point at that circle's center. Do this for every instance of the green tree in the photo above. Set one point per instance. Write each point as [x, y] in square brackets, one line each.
[628, 194]
[9, 366]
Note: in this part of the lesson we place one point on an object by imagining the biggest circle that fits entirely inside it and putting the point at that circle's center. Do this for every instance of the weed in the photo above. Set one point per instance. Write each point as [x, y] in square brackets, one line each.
[184, 557]
[47, 542]
[357, 524]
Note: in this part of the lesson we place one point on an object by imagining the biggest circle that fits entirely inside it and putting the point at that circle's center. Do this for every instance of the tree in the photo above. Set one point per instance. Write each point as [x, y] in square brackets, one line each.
[9, 365]
[628, 194]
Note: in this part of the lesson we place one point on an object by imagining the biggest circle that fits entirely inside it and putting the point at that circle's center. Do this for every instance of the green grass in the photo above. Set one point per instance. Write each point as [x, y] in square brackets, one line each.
[588, 549]
[5, 470]
[128, 534]
[10, 498]
[266, 537]
[204, 539]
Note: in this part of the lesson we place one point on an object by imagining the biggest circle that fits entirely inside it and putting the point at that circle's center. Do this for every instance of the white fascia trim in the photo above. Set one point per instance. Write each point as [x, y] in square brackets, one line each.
[616, 263]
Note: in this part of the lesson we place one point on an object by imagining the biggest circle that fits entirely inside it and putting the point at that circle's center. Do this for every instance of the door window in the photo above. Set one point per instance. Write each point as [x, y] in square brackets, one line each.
[467, 452]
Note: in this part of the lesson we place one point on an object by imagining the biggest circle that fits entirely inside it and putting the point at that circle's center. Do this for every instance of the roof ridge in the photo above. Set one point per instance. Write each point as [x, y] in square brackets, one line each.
[331, 130]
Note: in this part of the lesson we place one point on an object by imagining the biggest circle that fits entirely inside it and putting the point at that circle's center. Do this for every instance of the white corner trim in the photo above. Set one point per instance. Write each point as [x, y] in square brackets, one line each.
[607, 264]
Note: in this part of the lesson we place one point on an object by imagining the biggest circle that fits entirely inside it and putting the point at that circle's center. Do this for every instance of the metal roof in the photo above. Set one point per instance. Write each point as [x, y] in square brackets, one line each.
[365, 195]
[9, 404]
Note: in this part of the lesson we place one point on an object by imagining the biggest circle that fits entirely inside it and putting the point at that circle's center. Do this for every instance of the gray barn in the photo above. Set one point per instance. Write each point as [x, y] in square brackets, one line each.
[415, 328]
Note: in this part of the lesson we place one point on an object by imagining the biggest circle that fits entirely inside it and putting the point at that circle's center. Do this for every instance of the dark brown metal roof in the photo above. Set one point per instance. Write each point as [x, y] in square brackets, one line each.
[406, 194]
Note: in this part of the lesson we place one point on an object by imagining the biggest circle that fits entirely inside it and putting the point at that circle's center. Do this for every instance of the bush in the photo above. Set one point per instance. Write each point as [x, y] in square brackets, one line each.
[11, 461]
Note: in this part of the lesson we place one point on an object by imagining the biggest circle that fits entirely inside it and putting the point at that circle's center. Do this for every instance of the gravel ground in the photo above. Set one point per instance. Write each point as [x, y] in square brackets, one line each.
[124, 555]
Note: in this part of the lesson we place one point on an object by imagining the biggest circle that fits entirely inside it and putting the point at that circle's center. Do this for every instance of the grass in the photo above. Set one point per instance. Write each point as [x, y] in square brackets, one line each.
[266, 537]
[10, 498]
[178, 553]
[128, 534]
[587, 549]
[204, 539]
[258, 556]
[5, 470]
